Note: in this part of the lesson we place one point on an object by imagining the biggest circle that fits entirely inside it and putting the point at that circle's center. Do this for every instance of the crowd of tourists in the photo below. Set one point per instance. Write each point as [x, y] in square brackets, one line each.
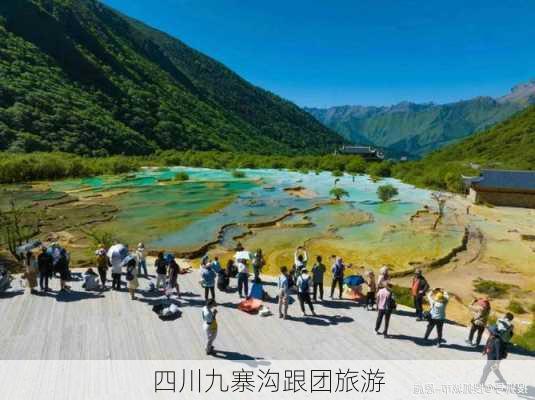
[53, 261]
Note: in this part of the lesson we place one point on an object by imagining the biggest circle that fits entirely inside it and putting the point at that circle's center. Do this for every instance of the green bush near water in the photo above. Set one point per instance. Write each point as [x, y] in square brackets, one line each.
[181, 176]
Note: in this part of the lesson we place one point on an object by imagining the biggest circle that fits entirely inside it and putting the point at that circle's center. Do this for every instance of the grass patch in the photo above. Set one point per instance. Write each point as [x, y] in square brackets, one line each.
[492, 288]
[181, 177]
[403, 295]
[516, 308]
[527, 339]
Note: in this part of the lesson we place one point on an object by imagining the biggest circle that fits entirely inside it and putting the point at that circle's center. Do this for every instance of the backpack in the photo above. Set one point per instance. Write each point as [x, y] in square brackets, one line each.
[304, 285]
[129, 273]
[391, 302]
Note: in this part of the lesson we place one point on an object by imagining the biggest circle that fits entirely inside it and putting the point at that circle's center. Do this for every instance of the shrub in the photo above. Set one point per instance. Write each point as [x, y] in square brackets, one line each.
[337, 173]
[403, 295]
[181, 176]
[491, 288]
[386, 192]
[516, 308]
[238, 174]
[527, 339]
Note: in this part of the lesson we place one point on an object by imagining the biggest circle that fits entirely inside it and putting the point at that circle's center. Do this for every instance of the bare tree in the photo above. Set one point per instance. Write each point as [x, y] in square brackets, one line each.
[17, 227]
[440, 199]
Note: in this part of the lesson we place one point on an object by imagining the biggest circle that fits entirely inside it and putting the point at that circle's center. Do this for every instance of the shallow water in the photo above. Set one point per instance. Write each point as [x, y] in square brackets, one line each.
[182, 216]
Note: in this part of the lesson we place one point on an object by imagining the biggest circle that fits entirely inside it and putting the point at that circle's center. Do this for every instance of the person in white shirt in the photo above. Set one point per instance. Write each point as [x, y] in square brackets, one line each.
[243, 278]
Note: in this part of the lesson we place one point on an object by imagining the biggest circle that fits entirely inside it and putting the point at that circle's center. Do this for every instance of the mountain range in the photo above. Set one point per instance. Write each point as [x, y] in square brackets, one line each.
[80, 77]
[416, 129]
[508, 145]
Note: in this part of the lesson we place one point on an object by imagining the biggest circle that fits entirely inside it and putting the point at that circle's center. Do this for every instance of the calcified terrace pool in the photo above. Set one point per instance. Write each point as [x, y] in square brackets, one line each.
[184, 216]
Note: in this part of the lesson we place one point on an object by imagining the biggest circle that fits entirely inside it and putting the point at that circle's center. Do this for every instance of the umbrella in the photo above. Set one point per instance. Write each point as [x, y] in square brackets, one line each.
[117, 251]
[28, 246]
[354, 280]
[242, 255]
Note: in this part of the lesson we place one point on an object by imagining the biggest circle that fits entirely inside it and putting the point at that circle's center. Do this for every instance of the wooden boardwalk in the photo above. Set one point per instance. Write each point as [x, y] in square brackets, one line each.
[92, 325]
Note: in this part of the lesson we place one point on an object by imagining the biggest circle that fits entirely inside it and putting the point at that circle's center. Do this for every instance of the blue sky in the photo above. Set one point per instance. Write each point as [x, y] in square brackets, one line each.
[376, 52]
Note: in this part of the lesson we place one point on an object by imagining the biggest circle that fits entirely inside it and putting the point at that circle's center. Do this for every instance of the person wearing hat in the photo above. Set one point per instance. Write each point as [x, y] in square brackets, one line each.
[141, 261]
[102, 265]
[480, 310]
[208, 276]
[209, 313]
[496, 348]
[303, 291]
[419, 287]
[438, 299]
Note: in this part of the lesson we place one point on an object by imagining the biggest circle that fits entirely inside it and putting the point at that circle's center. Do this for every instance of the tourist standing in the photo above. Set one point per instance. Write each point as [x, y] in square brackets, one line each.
[495, 350]
[438, 299]
[131, 277]
[318, 272]
[32, 268]
[102, 265]
[243, 278]
[258, 263]
[161, 270]
[116, 271]
[337, 270]
[372, 290]
[300, 261]
[141, 259]
[174, 270]
[44, 262]
[419, 288]
[232, 270]
[208, 276]
[209, 313]
[386, 304]
[284, 288]
[63, 269]
[303, 291]
[480, 314]
[384, 277]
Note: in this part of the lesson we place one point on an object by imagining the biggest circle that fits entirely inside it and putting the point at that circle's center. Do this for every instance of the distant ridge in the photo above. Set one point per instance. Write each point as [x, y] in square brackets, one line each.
[418, 129]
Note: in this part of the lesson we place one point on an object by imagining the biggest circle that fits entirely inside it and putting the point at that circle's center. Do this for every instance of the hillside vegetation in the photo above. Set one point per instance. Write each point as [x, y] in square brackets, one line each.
[508, 145]
[418, 129]
[78, 77]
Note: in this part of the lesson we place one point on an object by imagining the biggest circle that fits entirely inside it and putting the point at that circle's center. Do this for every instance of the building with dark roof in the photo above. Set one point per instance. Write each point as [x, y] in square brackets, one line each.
[502, 188]
[366, 152]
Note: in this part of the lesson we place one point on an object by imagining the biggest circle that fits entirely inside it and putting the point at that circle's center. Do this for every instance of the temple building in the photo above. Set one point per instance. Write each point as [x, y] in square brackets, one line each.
[502, 188]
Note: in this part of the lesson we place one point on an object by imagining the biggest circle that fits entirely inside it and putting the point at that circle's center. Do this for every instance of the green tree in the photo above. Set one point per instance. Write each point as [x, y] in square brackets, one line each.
[338, 193]
[386, 192]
